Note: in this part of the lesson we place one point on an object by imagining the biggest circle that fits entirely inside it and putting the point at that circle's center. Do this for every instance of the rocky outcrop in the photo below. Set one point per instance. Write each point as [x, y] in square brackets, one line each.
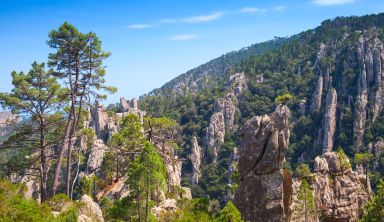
[128, 105]
[362, 99]
[167, 206]
[96, 156]
[215, 135]
[223, 117]
[329, 121]
[195, 158]
[233, 162]
[263, 142]
[173, 167]
[339, 191]
[115, 191]
[316, 98]
[106, 122]
[7, 123]
[378, 149]
[89, 210]
[378, 57]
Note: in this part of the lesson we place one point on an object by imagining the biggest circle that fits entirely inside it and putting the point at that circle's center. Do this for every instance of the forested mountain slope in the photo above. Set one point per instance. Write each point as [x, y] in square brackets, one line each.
[214, 71]
[335, 74]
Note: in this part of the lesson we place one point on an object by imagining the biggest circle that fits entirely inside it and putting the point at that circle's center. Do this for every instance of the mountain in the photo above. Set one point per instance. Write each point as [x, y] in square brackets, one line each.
[335, 73]
[208, 74]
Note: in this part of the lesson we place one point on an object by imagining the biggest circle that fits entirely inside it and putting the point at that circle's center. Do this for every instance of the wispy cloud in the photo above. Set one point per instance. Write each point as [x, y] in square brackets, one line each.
[279, 8]
[252, 10]
[183, 37]
[332, 2]
[139, 26]
[203, 18]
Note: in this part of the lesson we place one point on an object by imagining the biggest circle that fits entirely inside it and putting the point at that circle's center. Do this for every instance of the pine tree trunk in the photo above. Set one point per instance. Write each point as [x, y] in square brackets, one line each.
[61, 155]
[43, 159]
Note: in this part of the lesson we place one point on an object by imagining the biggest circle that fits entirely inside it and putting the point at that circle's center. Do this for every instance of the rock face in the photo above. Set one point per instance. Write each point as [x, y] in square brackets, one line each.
[223, 117]
[128, 105]
[89, 210]
[215, 134]
[173, 167]
[329, 122]
[316, 99]
[370, 95]
[96, 156]
[233, 163]
[261, 193]
[195, 158]
[105, 123]
[340, 191]
[7, 121]
[378, 148]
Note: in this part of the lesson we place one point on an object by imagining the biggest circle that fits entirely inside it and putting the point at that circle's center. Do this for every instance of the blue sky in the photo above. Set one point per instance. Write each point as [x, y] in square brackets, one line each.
[153, 41]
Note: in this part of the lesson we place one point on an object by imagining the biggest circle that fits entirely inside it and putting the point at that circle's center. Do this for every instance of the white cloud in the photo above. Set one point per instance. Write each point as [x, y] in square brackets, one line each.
[332, 2]
[252, 10]
[138, 26]
[182, 37]
[203, 18]
[279, 8]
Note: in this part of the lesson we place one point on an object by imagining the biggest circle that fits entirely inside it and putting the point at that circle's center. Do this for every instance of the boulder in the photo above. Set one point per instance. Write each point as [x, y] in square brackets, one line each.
[261, 192]
[90, 209]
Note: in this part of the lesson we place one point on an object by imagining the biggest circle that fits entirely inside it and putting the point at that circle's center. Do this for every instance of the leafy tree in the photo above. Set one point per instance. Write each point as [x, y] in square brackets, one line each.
[146, 176]
[78, 62]
[305, 204]
[229, 214]
[37, 96]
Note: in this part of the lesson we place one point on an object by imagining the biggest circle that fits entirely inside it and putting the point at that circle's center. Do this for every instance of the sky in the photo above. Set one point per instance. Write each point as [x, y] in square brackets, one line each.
[153, 41]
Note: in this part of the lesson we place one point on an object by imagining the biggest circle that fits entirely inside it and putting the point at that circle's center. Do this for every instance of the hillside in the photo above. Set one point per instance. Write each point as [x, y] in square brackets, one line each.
[207, 75]
[334, 73]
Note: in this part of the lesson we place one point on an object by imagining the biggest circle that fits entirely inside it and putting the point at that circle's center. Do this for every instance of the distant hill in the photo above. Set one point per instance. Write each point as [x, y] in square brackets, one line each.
[214, 71]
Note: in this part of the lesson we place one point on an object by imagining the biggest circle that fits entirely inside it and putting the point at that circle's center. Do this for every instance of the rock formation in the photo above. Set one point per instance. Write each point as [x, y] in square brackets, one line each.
[89, 210]
[195, 158]
[95, 158]
[223, 117]
[233, 163]
[316, 98]
[378, 149]
[215, 134]
[340, 192]
[329, 122]
[261, 192]
[7, 122]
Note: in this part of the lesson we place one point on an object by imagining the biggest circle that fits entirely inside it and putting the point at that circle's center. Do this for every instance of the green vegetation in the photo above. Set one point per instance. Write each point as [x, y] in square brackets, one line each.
[305, 205]
[374, 209]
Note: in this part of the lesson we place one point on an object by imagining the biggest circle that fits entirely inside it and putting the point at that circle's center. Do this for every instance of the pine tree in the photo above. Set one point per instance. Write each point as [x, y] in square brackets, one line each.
[305, 205]
[37, 96]
[229, 214]
[146, 176]
[127, 142]
[374, 210]
[78, 62]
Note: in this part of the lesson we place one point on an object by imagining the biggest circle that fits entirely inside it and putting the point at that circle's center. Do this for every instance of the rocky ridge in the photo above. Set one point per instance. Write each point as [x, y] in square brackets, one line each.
[223, 117]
